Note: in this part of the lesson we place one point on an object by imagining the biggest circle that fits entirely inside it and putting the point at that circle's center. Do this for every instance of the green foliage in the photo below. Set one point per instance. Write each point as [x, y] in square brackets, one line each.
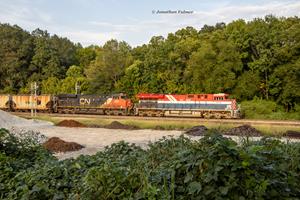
[247, 86]
[286, 82]
[213, 68]
[74, 75]
[19, 152]
[258, 58]
[263, 109]
[86, 55]
[109, 65]
[26, 57]
[132, 81]
[213, 167]
[51, 85]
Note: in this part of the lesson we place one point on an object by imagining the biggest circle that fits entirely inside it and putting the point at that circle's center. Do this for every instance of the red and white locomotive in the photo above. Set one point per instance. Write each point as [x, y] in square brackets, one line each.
[196, 105]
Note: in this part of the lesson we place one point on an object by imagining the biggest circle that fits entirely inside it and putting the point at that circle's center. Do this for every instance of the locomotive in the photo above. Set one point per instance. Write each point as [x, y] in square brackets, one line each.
[159, 105]
[195, 105]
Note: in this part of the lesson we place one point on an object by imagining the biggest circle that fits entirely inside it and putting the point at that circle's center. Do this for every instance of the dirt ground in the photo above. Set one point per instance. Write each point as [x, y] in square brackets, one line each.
[95, 139]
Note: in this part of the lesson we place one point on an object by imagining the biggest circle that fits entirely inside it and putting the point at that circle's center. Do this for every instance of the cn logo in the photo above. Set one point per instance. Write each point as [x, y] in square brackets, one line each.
[84, 101]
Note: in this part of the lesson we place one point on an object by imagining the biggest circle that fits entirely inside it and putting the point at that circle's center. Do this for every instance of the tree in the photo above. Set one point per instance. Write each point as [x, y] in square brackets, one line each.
[285, 82]
[86, 55]
[51, 85]
[74, 77]
[15, 55]
[108, 67]
[247, 86]
[258, 58]
[214, 66]
[132, 82]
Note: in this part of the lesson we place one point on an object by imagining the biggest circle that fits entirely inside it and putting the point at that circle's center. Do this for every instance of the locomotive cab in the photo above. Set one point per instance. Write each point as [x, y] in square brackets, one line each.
[220, 96]
[120, 96]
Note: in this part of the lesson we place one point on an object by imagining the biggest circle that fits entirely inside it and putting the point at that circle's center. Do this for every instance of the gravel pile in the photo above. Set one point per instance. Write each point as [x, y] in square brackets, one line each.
[9, 121]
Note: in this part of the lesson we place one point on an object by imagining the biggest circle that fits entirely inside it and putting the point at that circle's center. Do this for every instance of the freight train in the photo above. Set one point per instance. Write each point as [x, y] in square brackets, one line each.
[189, 105]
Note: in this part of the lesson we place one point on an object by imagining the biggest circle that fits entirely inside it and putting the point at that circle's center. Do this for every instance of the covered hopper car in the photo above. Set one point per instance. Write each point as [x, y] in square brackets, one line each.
[5, 102]
[23, 103]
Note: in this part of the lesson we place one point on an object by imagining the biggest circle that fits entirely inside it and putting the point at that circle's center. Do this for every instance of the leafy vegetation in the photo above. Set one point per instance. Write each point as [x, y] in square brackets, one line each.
[255, 59]
[210, 168]
[264, 109]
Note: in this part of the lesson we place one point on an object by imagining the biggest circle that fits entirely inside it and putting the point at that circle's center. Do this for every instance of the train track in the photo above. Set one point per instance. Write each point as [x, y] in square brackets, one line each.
[189, 119]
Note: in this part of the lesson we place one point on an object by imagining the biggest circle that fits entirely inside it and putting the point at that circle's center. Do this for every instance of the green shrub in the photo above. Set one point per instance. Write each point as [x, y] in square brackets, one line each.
[213, 167]
[263, 109]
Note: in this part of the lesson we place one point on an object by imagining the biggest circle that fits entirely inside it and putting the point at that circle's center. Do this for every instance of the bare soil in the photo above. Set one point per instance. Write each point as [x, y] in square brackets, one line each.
[95, 139]
[244, 130]
[119, 125]
[55, 144]
[292, 134]
[70, 123]
[197, 131]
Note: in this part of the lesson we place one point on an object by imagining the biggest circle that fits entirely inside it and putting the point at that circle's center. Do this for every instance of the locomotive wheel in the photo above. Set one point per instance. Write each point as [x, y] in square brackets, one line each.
[217, 116]
[109, 112]
[142, 114]
[208, 116]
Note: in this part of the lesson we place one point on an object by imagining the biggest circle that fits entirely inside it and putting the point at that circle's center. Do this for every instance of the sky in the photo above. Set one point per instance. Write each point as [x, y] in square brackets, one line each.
[134, 21]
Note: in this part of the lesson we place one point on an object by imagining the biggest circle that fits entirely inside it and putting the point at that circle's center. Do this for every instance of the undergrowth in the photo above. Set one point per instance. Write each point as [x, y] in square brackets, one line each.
[213, 167]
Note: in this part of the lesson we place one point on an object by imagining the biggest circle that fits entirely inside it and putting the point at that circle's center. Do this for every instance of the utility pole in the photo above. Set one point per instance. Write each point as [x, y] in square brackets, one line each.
[33, 98]
[77, 88]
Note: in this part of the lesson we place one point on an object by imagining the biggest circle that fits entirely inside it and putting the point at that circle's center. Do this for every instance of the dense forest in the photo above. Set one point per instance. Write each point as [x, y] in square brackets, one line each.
[257, 62]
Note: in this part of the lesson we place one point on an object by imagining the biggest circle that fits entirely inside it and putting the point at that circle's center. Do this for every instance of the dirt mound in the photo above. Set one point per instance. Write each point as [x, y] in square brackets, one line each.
[95, 126]
[118, 125]
[292, 134]
[244, 130]
[158, 127]
[70, 123]
[196, 131]
[56, 144]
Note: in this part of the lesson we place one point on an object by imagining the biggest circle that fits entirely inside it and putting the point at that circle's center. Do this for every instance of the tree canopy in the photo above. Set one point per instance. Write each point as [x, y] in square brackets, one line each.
[254, 59]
